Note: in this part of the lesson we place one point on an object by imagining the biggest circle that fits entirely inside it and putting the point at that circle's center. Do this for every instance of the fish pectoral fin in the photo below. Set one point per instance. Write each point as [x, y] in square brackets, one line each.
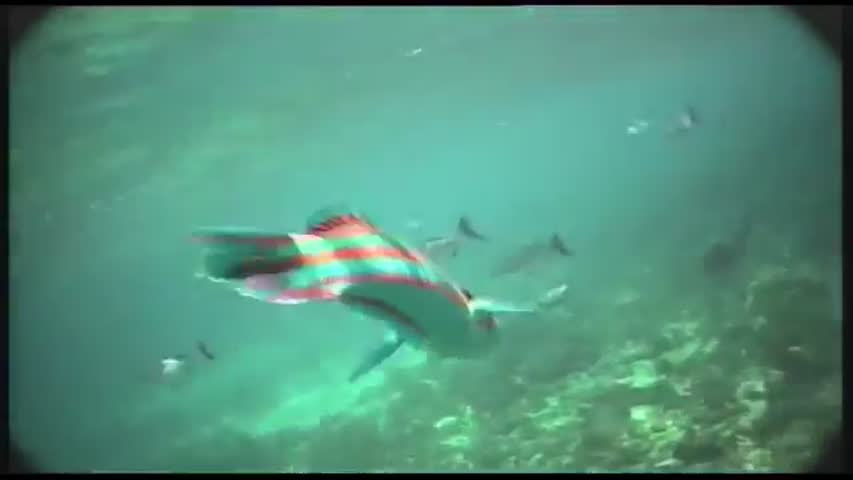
[376, 356]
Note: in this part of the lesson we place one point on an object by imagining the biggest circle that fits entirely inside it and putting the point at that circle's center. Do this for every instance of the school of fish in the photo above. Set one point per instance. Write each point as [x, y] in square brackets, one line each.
[343, 257]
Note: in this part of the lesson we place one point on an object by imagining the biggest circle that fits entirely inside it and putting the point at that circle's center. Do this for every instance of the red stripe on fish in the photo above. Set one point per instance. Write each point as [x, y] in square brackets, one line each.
[342, 225]
[267, 266]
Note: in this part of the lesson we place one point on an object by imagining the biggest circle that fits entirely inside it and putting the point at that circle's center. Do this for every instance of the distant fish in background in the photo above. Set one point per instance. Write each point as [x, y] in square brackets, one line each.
[205, 351]
[170, 370]
[533, 255]
[723, 255]
[637, 127]
[438, 248]
[175, 367]
[685, 121]
[172, 365]
[553, 296]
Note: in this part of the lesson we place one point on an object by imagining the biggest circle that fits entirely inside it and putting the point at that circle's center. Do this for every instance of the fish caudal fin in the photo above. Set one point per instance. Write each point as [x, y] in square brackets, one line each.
[376, 356]
[556, 243]
[237, 254]
[467, 230]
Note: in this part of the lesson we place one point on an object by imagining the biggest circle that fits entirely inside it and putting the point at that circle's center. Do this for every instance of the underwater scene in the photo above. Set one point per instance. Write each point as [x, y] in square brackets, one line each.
[509, 239]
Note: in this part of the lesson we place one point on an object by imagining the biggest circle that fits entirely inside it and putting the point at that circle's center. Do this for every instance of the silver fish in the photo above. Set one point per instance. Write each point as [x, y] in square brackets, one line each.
[533, 255]
[553, 296]
[685, 121]
[171, 366]
[438, 248]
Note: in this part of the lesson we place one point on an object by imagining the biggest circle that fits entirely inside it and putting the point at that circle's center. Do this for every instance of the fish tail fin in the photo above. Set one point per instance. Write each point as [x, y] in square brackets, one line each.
[466, 229]
[236, 254]
[556, 243]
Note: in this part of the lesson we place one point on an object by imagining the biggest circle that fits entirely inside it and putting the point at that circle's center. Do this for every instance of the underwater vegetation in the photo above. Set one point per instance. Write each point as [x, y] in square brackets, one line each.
[754, 392]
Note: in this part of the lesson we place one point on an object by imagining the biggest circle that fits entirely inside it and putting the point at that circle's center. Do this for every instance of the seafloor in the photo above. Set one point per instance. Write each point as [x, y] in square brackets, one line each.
[754, 389]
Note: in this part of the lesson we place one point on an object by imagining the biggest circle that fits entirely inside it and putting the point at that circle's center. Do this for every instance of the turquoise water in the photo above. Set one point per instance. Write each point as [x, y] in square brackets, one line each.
[131, 127]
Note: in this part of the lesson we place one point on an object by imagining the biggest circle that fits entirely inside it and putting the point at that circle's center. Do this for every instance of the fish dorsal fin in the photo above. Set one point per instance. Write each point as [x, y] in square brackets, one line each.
[337, 221]
[559, 245]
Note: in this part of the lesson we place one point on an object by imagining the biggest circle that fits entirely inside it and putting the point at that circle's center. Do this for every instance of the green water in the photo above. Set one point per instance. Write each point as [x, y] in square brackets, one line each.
[129, 128]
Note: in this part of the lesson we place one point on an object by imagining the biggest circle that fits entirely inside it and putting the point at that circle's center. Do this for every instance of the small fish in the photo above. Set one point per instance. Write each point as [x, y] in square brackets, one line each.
[685, 121]
[342, 257]
[533, 255]
[553, 296]
[172, 365]
[637, 127]
[169, 370]
[202, 348]
[439, 248]
[723, 255]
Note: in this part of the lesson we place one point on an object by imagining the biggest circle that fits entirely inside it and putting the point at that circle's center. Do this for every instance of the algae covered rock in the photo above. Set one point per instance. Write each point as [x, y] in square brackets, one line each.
[791, 310]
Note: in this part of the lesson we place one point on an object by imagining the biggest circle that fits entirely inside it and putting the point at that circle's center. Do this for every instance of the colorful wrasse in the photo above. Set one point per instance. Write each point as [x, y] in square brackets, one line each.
[343, 257]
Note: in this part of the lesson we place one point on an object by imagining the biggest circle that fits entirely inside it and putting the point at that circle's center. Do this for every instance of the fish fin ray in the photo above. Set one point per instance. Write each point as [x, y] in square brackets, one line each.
[333, 220]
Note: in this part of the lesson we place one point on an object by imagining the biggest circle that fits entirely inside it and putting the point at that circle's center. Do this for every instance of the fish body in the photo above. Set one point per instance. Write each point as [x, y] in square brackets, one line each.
[533, 255]
[443, 247]
[205, 351]
[723, 255]
[171, 366]
[685, 121]
[342, 257]
[553, 296]
[637, 127]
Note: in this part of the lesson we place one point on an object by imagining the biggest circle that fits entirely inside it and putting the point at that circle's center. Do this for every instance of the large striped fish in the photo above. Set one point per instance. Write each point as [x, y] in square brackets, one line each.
[345, 258]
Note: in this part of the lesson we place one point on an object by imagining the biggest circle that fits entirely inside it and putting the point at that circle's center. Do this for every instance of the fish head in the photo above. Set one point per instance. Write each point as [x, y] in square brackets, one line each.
[486, 311]
[484, 331]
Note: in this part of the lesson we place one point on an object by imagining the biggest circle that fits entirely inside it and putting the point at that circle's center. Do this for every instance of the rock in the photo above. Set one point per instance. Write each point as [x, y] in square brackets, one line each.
[696, 447]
